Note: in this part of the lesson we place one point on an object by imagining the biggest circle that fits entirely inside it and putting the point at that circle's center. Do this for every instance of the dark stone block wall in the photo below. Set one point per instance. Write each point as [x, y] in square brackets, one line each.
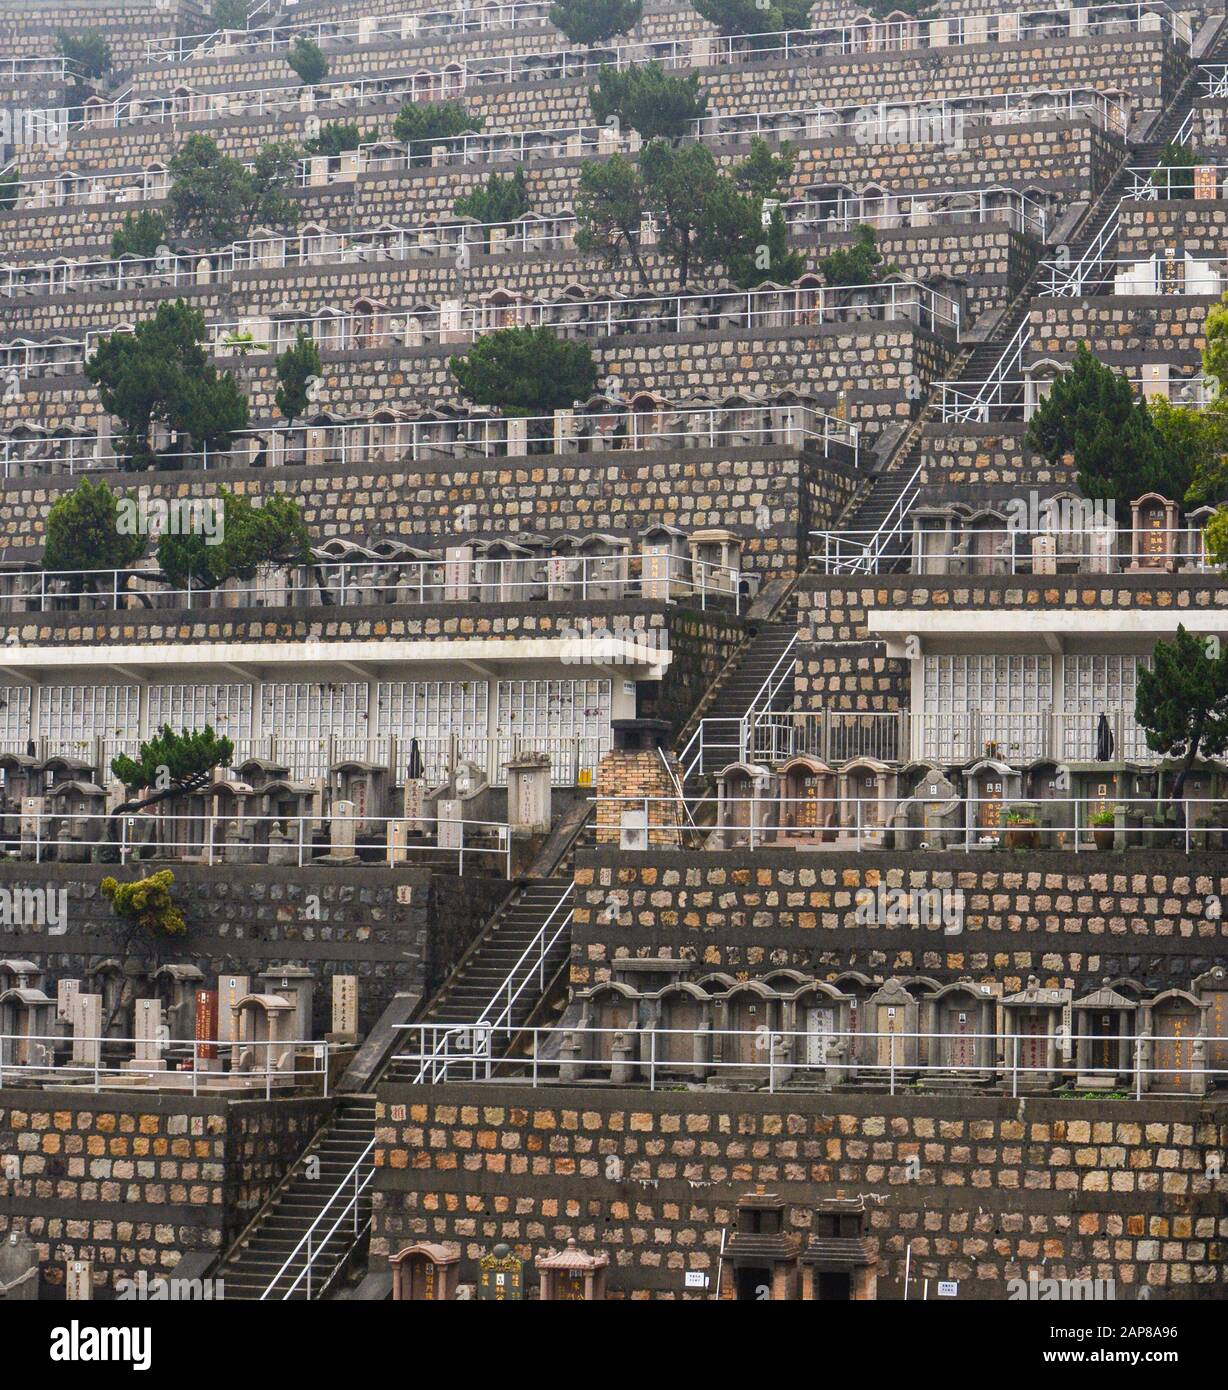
[617, 491]
[871, 360]
[1144, 64]
[31, 28]
[1071, 920]
[244, 919]
[1122, 330]
[960, 459]
[992, 259]
[135, 1182]
[1067, 157]
[1059, 1189]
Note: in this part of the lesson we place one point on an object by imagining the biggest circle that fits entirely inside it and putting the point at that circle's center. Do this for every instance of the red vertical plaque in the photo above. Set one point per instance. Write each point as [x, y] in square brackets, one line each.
[206, 1024]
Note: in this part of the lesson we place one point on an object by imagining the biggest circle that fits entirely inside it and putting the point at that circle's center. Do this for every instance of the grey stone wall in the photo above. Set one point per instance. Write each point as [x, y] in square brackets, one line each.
[242, 920]
[134, 1183]
[617, 491]
[1057, 1189]
[1072, 922]
[871, 360]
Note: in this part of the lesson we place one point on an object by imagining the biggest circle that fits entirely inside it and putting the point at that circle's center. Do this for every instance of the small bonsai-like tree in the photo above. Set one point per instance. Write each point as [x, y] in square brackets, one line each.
[1215, 535]
[334, 139]
[1093, 414]
[590, 22]
[308, 62]
[763, 18]
[161, 373]
[89, 52]
[737, 231]
[610, 212]
[765, 172]
[146, 917]
[217, 199]
[140, 234]
[860, 263]
[525, 371]
[1174, 171]
[1181, 703]
[83, 534]
[433, 121]
[252, 536]
[647, 99]
[231, 14]
[498, 200]
[296, 368]
[168, 765]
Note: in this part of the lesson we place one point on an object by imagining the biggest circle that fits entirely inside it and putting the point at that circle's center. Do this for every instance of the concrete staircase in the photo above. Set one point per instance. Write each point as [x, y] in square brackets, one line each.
[278, 1230]
[736, 692]
[868, 511]
[476, 981]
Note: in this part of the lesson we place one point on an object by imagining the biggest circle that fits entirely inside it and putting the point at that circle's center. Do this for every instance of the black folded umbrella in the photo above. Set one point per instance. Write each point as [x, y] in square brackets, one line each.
[415, 760]
[1104, 740]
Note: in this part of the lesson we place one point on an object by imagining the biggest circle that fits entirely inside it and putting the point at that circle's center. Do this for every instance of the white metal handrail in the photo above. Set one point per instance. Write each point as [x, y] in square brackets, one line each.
[409, 24]
[598, 318]
[573, 757]
[70, 834]
[966, 400]
[781, 671]
[940, 121]
[915, 122]
[450, 237]
[994, 388]
[547, 937]
[776, 1054]
[1153, 275]
[314, 1251]
[34, 65]
[1009, 550]
[561, 577]
[867, 36]
[461, 75]
[623, 426]
[74, 1058]
[767, 820]
[504, 998]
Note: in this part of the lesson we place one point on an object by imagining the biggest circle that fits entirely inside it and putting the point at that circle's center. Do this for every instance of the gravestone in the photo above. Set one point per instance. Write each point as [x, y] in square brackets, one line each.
[345, 1009]
[501, 1275]
[79, 1281]
[66, 992]
[206, 1030]
[87, 1029]
[342, 825]
[147, 1027]
[451, 831]
[230, 989]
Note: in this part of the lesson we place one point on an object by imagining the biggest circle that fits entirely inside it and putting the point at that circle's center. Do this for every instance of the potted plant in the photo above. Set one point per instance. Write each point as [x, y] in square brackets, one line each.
[1022, 827]
[1104, 827]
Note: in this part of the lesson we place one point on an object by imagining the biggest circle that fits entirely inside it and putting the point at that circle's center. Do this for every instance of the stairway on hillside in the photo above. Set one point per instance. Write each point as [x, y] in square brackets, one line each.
[345, 1139]
[868, 512]
[737, 690]
[271, 1240]
[476, 981]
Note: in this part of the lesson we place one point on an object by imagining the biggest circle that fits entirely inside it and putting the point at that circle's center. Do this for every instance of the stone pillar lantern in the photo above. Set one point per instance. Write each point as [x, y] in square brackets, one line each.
[760, 1258]
[839, 1263]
